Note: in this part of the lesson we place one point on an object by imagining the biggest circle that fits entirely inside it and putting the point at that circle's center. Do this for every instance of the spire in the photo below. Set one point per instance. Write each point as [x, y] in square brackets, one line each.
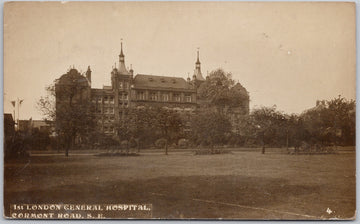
[198, 61]
[121, 52]
[122, 67]
[197, 73]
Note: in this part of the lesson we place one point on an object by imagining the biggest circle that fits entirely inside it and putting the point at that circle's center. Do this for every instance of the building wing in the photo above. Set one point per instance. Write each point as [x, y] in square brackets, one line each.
[161, 82]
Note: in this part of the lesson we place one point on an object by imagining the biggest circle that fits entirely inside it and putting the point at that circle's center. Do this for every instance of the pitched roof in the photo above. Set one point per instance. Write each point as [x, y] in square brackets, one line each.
[152, 81]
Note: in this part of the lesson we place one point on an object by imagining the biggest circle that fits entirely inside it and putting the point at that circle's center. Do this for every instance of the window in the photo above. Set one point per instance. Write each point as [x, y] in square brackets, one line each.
[188, 98]
[153, 96]
[99, 100]
[140, 96]
[165, 97]
[106, 99]
[126, 96]
[111, 100]
[126, 85]
[108, 129]
[120, 85]
[176, 97]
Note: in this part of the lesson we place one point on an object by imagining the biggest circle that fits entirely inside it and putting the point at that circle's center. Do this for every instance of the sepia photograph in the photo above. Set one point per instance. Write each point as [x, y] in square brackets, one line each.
[179, 110]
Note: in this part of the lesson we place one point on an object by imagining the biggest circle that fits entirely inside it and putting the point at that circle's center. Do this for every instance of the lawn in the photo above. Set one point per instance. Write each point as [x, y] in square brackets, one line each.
[242, 185]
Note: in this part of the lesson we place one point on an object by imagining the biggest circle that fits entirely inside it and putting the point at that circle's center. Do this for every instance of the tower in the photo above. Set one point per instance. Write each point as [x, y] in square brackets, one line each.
[121, 80]
[197, 73]
[122, 67]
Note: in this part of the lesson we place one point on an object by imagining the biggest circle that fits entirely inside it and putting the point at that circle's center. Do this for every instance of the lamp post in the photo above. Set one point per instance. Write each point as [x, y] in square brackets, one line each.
[18, 102]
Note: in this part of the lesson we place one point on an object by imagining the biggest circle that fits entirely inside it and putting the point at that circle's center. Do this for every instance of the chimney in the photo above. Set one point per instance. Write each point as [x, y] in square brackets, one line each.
[131, 71]
[88, 74]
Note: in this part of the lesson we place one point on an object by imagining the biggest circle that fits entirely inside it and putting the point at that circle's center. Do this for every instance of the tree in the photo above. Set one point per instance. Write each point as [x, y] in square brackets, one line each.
[265, 123]
[68, 105]
[340, 119]
[149, 124]
[210, 127]
[295, 132]
[221, 91]
[47, 104]
[332, 122]
[170, 125]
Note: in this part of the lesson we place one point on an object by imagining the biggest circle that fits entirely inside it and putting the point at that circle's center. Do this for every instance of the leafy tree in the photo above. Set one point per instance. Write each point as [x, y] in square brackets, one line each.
[210, 127]
[332, 122]
[265, 123]
[340, 117]
[170, 125]
[295, 132]
[149, 124]
[221, 91]
[68, 104]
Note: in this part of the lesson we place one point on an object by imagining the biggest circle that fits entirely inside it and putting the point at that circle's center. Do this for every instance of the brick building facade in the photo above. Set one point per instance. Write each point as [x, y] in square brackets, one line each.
[129, 91]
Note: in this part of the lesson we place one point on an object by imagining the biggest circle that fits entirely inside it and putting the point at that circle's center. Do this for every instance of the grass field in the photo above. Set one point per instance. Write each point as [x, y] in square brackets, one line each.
[242, 185]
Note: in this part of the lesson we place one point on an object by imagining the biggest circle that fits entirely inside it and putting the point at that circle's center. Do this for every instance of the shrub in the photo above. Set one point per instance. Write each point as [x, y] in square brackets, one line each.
[183, 143]
[117, 154]
[133, 143]
[212, 151]
[16, 149]
[160, 143]
[124, 144]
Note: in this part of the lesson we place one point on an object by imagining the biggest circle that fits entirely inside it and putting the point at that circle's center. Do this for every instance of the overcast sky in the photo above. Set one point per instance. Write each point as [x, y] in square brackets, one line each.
[287, 54]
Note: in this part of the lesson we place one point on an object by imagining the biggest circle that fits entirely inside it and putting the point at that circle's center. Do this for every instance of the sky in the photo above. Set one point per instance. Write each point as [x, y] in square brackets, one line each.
[284, 54]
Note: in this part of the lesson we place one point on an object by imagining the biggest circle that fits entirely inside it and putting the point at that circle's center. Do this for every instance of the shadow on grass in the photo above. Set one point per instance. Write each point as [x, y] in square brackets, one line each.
[173, 197]
[109, 154]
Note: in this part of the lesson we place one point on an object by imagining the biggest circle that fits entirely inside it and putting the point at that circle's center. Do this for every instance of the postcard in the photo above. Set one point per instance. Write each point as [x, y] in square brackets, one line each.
[179, 110]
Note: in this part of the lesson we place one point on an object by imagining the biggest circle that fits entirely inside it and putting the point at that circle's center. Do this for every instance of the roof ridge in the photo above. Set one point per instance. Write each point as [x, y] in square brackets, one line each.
[160, 76]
